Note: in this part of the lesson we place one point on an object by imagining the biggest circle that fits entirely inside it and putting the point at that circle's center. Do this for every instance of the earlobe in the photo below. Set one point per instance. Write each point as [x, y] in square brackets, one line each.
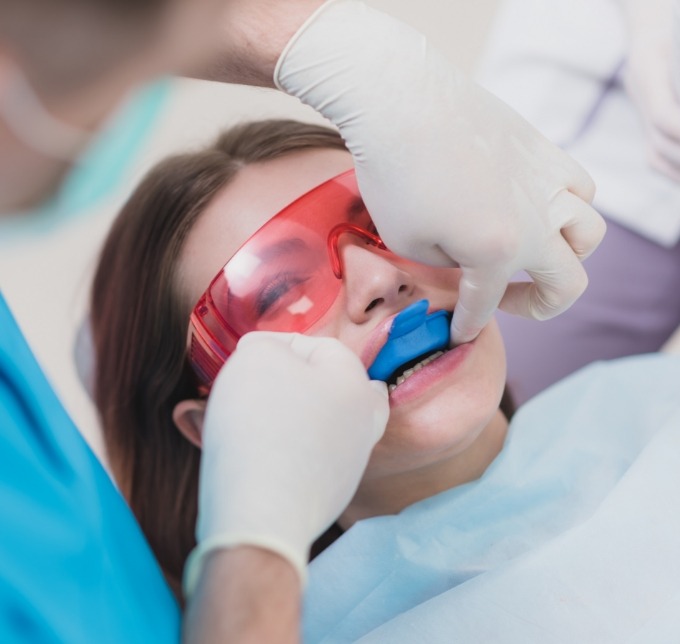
[188, 418]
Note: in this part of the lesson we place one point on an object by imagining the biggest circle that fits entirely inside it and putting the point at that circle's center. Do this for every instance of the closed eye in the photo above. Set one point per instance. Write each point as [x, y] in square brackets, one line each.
[276, 289]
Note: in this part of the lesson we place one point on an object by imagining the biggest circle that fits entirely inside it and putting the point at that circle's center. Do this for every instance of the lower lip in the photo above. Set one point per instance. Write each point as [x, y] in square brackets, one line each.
[424, 379]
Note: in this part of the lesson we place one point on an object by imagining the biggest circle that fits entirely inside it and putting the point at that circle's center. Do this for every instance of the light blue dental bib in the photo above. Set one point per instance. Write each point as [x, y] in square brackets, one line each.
[572, 534]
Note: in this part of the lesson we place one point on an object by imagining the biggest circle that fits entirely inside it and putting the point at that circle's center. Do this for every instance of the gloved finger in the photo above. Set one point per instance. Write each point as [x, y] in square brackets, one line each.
[265, 338]
[333, 360]
[579, 182]
[380, 387]
[381, 412]
[581, 225]
[326, 353]
[480, 291]
[554, 289]
[307, 348]
[423, 251]
[313, 349]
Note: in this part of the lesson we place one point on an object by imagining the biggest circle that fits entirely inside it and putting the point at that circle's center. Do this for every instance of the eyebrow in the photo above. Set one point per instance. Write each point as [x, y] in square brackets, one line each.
[356, 208]
[283, 247]
[291, 245]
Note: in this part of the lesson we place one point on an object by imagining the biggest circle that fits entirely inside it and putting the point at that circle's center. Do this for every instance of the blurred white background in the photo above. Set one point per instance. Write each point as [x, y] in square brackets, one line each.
[46, 281]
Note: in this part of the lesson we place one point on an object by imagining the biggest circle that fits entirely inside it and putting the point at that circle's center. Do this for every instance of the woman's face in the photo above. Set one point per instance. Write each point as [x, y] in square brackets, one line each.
[437, 412]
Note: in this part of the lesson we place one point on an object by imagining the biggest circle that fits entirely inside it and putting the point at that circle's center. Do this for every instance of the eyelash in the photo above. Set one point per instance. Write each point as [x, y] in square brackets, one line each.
[275, 289]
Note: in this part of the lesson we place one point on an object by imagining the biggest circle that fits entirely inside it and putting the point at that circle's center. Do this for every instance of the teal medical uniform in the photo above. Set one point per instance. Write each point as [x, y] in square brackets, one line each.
[74, 564]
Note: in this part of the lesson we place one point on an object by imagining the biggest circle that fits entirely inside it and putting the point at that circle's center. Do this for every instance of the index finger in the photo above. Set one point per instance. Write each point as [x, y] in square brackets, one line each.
[323, 350]
[480, 291]
[579, 182]
[554, 289]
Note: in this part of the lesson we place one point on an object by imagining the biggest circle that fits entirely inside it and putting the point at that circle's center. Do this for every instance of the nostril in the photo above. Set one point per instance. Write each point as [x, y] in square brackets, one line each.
[403, 288]
[373, 304]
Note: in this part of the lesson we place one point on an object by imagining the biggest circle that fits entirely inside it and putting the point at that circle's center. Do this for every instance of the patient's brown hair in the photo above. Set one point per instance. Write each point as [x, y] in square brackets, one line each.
[139, 326]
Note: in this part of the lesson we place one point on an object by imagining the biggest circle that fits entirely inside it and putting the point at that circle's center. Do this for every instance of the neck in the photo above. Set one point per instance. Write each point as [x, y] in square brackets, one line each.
[392, 493]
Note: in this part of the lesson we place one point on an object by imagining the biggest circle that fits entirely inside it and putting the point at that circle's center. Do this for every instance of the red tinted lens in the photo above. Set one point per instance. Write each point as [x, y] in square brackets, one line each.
[281, 279]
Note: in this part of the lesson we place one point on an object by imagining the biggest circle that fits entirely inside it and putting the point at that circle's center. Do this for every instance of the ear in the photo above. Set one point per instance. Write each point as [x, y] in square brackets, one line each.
[188, 417]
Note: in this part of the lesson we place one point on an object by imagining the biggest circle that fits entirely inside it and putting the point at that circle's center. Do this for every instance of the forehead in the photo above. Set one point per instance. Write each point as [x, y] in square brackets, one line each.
[252, 198]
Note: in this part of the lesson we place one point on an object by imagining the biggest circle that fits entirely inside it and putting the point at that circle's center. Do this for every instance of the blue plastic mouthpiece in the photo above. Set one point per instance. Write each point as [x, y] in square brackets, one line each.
[414, 333]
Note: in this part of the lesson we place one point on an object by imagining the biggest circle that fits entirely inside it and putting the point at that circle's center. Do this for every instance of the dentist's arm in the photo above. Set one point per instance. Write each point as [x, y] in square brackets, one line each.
[245, 595]
[254, 33]
[289, 427]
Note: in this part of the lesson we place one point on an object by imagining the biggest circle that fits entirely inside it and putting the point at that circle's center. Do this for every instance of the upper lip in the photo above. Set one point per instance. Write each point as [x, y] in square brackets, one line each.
[378, 338]
[376, 341]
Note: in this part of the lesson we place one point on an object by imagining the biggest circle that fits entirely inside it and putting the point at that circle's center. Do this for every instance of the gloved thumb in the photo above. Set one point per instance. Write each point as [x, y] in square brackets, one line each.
[479, 293]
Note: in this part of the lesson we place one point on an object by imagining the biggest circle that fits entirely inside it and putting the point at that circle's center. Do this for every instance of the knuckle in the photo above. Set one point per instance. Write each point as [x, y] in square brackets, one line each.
[578, 286]
[600, 228]
[590, 187]
[548, 303]
[571, 291]
[543, 307]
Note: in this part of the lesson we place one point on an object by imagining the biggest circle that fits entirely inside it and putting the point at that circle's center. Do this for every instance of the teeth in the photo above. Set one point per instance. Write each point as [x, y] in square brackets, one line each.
[417, 367]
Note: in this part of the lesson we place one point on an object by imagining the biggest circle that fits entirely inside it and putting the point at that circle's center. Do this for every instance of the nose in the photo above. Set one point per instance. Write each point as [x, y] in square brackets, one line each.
[373, 284]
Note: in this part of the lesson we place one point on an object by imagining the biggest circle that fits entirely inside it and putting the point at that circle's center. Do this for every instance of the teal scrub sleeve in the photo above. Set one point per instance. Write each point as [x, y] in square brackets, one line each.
[74, 564]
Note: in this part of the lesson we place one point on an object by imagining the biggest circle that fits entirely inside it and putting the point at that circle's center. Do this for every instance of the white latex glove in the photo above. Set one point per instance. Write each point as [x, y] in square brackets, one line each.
[450, 174]
[652, 78]
[289, 427]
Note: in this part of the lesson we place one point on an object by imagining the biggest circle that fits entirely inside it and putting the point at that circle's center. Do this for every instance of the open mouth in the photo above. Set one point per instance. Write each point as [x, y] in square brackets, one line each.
[415, 339]
[406, 370]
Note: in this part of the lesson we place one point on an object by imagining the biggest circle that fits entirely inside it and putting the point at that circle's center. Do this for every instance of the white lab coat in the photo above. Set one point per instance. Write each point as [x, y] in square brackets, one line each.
[559, 64]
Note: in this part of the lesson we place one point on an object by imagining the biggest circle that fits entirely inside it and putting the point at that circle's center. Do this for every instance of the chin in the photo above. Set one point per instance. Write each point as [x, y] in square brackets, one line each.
[450, 423]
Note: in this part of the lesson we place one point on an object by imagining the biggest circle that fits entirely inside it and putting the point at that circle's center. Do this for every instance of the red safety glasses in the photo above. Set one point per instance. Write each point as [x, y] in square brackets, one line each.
[284, 278]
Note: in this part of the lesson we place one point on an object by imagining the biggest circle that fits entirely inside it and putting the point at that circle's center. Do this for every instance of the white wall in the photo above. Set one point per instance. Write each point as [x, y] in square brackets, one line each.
[46, 281]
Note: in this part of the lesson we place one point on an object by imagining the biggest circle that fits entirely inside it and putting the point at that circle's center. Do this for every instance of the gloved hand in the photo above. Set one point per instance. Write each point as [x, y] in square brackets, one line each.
[450, 174]
[289, 427]
[652, 77]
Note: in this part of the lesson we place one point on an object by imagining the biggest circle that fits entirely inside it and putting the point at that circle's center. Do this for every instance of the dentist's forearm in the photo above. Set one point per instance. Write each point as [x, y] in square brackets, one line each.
[245, 594]
[253, 35]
